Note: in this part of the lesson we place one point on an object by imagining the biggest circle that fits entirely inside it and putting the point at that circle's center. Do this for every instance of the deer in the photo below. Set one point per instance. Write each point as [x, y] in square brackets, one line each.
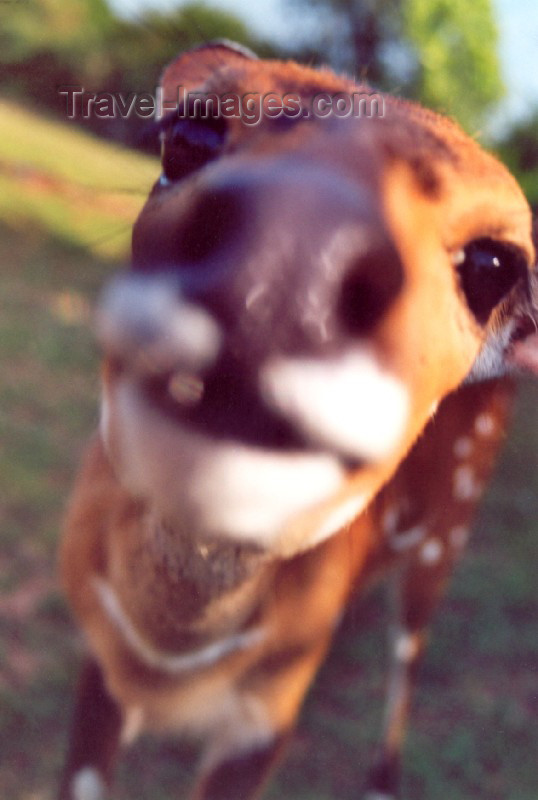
[307, 376]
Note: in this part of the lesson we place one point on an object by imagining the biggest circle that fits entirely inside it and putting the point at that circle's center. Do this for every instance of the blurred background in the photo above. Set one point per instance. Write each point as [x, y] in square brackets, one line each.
[69, 192]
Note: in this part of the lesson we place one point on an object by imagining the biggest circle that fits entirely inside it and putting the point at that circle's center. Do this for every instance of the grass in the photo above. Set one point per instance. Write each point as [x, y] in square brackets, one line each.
[63, 226]
[83, 195]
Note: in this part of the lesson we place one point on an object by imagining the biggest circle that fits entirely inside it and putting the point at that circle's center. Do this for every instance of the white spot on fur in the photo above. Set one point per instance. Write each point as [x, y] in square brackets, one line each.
[485, 425]
[166, 662]
[431, 551]
[463, 447]
[404, 540]
[464, 484]
[349, 403]
[87, 784]
[406, 645]
[458, 537]
[400, 540]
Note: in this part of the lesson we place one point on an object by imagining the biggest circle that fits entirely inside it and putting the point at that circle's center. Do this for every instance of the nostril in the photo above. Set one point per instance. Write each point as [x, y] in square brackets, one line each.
[368, 290]
[214, 222]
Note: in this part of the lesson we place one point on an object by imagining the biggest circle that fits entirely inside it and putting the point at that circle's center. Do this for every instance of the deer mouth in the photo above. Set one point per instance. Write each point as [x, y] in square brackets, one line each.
[341, 401]
[222, 405]
[209, 486]
[234, 447]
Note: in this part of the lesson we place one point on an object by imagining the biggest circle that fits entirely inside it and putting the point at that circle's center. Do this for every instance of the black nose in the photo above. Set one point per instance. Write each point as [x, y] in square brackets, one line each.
[178, 233]
[369, 288]
[280, 251]
[214, 223]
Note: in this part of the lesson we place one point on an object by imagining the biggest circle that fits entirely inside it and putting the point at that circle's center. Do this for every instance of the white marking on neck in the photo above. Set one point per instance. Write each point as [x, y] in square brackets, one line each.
[204, 657]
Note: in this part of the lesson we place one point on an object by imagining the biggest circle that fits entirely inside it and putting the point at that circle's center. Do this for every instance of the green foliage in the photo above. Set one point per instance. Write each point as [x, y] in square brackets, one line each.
[47, 44]
[358, 37]
[141, 47]
[456, 45]
[519, 150]
[441, 52]
[75, 32]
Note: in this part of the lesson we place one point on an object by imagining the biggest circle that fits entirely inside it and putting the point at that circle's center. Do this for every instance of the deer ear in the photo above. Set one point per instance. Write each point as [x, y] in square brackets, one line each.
[192, 68]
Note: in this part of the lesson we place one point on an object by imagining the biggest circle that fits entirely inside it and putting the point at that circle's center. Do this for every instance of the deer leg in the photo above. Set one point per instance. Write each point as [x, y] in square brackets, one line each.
[242, 777]
[444, 492]
[94, 740]
[417, 592]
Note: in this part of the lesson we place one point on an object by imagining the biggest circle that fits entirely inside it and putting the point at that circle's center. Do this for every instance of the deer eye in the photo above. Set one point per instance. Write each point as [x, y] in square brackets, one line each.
[190, 139]
[488, 270]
